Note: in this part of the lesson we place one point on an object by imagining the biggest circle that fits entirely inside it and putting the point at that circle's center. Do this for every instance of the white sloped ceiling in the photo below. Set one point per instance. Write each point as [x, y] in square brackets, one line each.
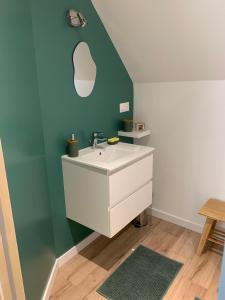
[167, 40]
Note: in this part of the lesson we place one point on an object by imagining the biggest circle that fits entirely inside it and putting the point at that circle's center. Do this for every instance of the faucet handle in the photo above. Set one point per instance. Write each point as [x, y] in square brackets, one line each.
[96, 134]
[103, 139]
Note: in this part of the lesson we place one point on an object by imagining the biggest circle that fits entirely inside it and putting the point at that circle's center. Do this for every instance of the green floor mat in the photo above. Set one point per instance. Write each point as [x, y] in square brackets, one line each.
[144, 275]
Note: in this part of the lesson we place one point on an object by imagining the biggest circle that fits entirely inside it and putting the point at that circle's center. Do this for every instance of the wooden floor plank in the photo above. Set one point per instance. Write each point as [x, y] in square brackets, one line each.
[82, 275]
[212, 291]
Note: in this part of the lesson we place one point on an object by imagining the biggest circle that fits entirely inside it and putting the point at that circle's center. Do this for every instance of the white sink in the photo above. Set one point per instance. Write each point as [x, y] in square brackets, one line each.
[110, 157]
[107, 188]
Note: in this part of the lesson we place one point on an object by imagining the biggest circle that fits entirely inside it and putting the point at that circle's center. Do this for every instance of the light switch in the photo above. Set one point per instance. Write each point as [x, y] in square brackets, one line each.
[124, 107]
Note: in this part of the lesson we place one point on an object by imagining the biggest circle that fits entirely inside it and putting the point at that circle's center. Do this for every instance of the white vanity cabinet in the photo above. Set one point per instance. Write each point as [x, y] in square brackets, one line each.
[107, 199]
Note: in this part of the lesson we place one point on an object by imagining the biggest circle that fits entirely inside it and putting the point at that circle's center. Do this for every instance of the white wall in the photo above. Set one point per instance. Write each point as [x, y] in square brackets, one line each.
[188, 131]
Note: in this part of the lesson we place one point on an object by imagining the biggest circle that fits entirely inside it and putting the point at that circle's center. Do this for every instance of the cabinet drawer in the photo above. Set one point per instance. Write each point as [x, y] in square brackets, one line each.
[125, 182]
[127, 210]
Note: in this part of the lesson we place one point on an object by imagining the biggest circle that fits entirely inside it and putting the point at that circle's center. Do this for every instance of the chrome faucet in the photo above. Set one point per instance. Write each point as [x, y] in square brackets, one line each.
[96, 138]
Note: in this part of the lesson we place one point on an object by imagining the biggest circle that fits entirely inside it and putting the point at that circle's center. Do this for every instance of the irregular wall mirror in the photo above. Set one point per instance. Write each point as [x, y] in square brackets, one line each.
[84, 70]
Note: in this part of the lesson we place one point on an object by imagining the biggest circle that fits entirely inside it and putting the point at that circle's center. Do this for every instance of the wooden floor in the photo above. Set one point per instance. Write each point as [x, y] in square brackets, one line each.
[199, 276]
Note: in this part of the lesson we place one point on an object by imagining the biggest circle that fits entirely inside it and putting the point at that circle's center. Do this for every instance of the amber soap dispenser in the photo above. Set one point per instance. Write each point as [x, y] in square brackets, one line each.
[73, 146]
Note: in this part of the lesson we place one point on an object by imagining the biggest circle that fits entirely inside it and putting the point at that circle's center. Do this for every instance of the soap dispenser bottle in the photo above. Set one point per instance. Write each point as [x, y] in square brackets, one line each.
[73, 146]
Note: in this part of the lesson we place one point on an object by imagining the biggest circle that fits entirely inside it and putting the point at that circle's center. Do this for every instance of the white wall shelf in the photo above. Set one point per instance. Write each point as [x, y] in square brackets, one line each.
[135, 134]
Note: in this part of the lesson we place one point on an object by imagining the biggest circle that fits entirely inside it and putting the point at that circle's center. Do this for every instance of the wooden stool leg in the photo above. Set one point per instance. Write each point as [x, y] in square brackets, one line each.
[209, 224]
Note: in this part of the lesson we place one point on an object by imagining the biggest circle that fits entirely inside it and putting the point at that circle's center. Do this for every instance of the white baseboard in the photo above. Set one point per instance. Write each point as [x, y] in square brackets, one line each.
[50, 282]
[60, 261]
[76, 249]
[177, 220]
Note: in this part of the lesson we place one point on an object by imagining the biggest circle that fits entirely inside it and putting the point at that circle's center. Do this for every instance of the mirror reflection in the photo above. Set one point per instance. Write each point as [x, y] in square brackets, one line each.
[84, 70]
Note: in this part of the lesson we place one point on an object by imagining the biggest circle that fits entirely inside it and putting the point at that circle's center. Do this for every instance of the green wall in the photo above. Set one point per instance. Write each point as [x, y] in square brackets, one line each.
[39, 109]
[63, 111]
[23, 145]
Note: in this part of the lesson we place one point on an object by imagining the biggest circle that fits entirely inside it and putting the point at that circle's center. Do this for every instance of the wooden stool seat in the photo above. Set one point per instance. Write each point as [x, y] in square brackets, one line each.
[213, 210]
